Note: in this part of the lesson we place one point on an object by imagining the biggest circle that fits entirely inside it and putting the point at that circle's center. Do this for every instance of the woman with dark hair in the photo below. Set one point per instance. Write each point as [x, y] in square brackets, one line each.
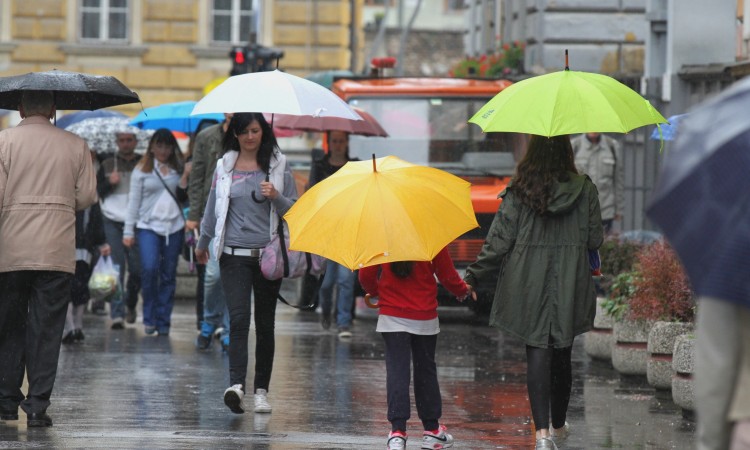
[253, 187]
[155, 221]
[538, 246]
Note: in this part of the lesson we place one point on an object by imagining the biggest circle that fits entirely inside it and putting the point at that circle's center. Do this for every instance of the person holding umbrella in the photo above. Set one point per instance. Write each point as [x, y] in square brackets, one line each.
[37, 263]
[113, 185]
[252, 187]
[538, 244]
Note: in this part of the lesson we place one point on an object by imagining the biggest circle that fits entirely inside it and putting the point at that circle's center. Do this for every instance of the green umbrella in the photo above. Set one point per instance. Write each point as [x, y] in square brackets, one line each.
[567, 102]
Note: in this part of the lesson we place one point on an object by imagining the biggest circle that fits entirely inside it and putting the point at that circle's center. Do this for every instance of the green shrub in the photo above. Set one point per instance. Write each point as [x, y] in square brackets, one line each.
[617, 257]
[621, 291]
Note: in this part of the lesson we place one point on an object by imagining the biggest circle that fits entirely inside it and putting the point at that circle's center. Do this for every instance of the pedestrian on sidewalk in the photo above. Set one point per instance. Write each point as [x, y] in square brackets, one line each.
[113, 186]
[207, 150]
[538, 244]
[337, 277]
[155, 222]
[91, 243]
[408, 322]
[253, 187]
[46, 175]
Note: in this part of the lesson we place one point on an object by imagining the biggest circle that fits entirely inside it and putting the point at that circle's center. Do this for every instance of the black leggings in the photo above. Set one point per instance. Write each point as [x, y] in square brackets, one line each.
[549, 380]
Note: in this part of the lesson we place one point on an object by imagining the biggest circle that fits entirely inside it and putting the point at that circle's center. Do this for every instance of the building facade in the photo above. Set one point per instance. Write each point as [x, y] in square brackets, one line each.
[169, 50]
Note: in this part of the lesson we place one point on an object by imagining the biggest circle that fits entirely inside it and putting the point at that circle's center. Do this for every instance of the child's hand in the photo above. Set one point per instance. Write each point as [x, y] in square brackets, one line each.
[469, 293]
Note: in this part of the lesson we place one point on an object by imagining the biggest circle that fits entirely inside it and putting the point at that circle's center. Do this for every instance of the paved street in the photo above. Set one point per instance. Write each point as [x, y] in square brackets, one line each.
[123, 389]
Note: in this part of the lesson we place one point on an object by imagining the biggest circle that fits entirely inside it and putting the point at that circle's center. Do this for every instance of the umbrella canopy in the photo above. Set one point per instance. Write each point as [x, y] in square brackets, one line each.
[99, 133]
[567, 102]
[368, 126]
[75, 117]
[173, 116]
[668, 131]
[274, 92]
[373, 212]
[72, 90]
[700, 200]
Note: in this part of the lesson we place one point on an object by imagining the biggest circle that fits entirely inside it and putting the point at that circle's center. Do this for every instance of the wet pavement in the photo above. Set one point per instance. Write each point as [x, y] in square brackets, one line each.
[123, 389]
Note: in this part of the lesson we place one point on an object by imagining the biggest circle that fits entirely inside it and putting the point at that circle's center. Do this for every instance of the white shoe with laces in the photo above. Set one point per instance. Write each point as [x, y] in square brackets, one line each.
[261, 401]
[396, 440]
[439, 440]
[233, 398]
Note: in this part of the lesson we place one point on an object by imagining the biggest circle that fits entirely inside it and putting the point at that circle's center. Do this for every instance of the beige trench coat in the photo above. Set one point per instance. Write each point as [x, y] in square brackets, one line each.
[46, 175]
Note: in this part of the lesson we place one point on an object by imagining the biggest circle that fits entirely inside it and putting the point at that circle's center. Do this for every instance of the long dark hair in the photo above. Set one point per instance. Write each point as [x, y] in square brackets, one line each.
[547, 161]
[162, 136]
[402, 269]
[268, 142]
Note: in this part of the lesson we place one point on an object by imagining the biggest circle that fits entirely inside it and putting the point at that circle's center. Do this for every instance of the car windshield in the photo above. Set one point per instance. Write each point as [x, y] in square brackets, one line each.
[435, 132]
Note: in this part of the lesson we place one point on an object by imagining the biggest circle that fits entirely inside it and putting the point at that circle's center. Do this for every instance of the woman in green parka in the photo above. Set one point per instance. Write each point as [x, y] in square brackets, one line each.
[537, 250]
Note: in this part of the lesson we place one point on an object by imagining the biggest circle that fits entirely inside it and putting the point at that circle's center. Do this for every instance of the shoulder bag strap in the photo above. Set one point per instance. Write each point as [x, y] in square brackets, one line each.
[171, 194]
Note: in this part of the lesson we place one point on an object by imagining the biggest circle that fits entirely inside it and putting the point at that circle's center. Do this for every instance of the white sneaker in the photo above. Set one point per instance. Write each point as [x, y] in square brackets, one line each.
[261, 401]
[233, 398]
[438, 440]
[559, 435]
[396, 440]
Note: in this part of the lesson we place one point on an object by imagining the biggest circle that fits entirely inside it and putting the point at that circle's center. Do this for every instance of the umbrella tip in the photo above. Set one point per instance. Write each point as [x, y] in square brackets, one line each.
[374, 169]
[567, 67]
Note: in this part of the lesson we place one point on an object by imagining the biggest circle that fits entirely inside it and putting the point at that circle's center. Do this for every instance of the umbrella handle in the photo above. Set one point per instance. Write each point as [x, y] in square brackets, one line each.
[262, 199]
[369, 303]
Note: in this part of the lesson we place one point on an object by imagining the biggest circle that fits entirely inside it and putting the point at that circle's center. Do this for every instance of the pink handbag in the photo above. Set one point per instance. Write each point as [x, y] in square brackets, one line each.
[277, 261]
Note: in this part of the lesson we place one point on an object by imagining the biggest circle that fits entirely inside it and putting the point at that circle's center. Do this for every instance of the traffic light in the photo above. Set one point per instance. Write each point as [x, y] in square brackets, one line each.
[239, 61]
[253, 58]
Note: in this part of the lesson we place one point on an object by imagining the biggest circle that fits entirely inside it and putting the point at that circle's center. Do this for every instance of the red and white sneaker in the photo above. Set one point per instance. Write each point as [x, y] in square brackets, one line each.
[396, 440]
[437, 439]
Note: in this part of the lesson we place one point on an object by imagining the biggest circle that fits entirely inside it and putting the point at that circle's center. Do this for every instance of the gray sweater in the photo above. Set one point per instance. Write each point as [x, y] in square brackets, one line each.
[145, 189]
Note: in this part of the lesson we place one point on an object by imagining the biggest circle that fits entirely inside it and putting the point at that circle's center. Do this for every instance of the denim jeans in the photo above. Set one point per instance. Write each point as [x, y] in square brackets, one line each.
[241, 277]
[159, 257]
[338, 276]
[121, 256]
[215, 313]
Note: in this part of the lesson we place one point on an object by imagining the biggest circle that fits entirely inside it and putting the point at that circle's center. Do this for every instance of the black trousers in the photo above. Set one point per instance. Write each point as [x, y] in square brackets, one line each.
[241, 277]
[549, 380]
[33, 305]
[401, 349]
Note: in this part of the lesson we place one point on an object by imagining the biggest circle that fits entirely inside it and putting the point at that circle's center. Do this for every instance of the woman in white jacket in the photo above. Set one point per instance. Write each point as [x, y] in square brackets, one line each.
[155, 221]
[253, 186]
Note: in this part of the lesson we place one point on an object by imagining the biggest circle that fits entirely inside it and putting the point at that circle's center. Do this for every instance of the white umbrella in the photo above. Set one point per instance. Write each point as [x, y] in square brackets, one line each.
[99, 133]
[274, 92]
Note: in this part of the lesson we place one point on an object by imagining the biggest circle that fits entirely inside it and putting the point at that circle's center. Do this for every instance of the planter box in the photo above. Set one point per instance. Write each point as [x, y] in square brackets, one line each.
[630, 352]
[682, 380]
[598, 342]
[661, 340]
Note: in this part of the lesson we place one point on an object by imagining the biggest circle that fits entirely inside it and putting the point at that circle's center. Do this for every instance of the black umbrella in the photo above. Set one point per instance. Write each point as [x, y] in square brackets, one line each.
[702, 197]
[72, 90]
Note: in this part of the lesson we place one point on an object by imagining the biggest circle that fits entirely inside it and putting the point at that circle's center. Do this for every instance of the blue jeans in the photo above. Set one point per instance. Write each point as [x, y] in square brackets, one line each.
[121, 256]
[343, 278]
[215, 313]
[159, 272]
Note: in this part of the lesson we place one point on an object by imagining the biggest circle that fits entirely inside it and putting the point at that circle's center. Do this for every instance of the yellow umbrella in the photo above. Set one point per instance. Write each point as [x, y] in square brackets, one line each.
[373, 212]
[212, 84]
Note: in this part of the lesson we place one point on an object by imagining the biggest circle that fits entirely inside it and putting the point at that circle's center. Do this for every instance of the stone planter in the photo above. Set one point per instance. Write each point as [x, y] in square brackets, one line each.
[682, 380]
[598, 342]
[630, 351]
[661, 340]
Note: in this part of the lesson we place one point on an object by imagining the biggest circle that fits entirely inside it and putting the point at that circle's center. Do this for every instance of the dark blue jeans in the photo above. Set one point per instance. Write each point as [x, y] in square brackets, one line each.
[159, 257]
[241, 277]
[130, 262]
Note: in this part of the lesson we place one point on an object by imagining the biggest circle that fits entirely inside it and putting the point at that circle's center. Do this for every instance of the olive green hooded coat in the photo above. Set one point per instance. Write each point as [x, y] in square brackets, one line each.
[545, 294]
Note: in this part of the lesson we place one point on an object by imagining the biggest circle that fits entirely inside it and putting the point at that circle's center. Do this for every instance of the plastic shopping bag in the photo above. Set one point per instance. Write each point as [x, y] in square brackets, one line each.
[104, 283]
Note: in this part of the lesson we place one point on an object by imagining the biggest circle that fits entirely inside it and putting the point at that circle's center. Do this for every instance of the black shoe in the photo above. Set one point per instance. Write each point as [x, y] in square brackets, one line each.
[78, 334]
[118, 324]
[325, 322]
[38, 420]
[130, 315]
[5, 415]
[203, 342]
[69, 337]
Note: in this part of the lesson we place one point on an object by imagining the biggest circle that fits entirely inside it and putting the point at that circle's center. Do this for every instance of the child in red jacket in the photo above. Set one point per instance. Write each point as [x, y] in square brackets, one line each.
[408, 322]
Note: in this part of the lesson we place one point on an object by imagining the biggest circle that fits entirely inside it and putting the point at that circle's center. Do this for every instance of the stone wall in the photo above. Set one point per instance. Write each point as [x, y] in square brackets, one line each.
[428, 53]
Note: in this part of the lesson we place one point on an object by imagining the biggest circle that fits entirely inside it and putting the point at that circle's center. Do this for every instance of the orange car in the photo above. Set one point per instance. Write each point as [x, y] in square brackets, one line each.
[426, 119]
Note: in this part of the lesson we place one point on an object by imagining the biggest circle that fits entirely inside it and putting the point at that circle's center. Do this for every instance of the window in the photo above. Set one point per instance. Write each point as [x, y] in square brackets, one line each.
[234, 20]
[104, 20]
